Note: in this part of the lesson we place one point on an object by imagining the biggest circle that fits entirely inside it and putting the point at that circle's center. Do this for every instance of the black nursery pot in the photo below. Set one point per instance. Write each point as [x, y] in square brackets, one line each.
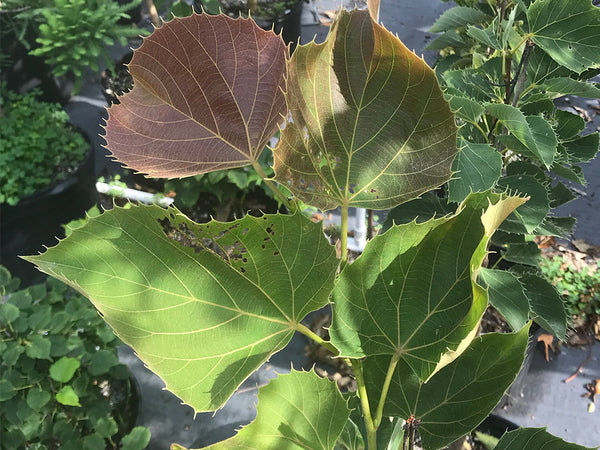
[289, 25]
[36, 220]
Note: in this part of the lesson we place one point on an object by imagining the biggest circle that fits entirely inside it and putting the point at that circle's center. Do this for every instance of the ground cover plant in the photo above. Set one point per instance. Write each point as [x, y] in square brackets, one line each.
[61, 383]
[363, 123]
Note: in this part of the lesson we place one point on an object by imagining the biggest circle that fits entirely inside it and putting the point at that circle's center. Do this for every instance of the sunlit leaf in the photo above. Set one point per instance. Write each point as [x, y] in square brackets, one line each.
[569, 86]
[208, 94]
[526, 253]
[298, 410]
[412, 293]
[568, 31]
[458, 397]
[534, 439]
[537, 207]
[464, 107]
[368, 125]
[202, 305]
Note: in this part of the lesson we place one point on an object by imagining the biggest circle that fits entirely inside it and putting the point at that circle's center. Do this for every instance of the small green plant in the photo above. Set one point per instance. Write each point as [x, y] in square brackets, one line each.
[257, 8]
[61, 384]
[364, 123]
[580, 288]
[38, 146]
[75, 34]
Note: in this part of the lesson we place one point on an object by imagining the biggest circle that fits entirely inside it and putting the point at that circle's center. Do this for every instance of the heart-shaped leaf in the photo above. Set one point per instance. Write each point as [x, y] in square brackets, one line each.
[568, 31]
[412, 293]
[208, 94]
[299, 408]
[368, 123]
[202, 305]
[461, 395]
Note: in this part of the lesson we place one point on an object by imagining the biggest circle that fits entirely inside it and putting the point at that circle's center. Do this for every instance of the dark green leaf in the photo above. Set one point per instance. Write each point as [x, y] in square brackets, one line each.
[506, 295]
[547, 306]
[477, 168]
[420, 210]
[8, 313]
[569, 86]
[94, 442]
[556, 226]
[106, 427]
[458, 397]
[464, 107]
[582, 149]
[569, 125]
[572, 173]
[102, 361]
[534, 439]
[458, 17]
[527, 253]
[38, 347]
[568, 31]
[448, 39]
[486, 36]
[37, 398]
[137, 439]
[351, 438]
[7, 390]
[560, 195]
[533, 212]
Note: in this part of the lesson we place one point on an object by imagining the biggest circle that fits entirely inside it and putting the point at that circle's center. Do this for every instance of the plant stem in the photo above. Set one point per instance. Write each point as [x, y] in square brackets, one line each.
[153, 14]
[523, 73]
[344, 236]
[282, 198]
[318, 339]
[384, 390]
[364, 404]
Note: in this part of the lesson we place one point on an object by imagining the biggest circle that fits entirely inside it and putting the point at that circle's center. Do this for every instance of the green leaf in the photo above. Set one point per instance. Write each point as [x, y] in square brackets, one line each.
[8, 313]
[368, 124]
[569, 86]
[582, 149]
[542, 67]
[448, 39]
[67, 396]
[7, 390]
[568, 31]
[180, 297]
[506, 295]
[560, 195]
[106, 427]
[351, 438]
[137, 439]
[534, 439]
[537, 207]
[464, 107]
[534, 132]
[569, 125]
[527, 253]
[94, 442]
[102, 361]
[181, 9]
[458, 397]
[572, 173]
[64, 369]
[197, 106]
[419, 210]
[547, 306]
[298, 408]
[412, 293]
[471, 82]
[458, 17]
[38, 347]
[556, 226]
[478, 167]
[37, 398]
[486, 36]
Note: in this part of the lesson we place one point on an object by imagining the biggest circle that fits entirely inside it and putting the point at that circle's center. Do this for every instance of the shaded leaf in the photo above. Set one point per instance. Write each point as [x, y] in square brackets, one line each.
[537, 207]
[298, 408]
[534, 132]
[37, 398]
[582, 149]
[448, 39]
[527, 253]
[486, 36]
[106, 427]
[547, 306]
[571, 173]
[506, 295]
[181, 297]
[350, 438]
[569, 125]
[458, 397]
[419, 210]
[556, 226]
[560, 195]
[471, 82]
[568, 31]
[38, 347]
[368, 124]
[542, 67]
[569, 86]
[478, 167]
[7, 390]
[208, 94]
[102, 361]
[458, 17]
[534, 439]
[137, 439]
[412, 293]
[464, 107]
